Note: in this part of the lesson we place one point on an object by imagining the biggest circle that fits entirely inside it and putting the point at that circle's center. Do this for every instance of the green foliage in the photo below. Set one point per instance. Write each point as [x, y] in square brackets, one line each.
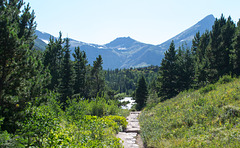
[194, 119]
[235, 56]
[213, 55]
[126, 80]
[100, 107]
[121, 121]
[48, 126]
[22, 74]
[66, 81]
[225, 79]
[39, 121]
[97, 78]
[80, 70]
[220, 45]
[168, 74]
[207, 88]
[141, 93]
[152, 100]
[31, 115]
[185, 69]
[53, 60]
[77, 109]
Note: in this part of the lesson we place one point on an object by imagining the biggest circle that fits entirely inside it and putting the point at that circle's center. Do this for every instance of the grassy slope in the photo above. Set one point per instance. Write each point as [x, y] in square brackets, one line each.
[195, 119]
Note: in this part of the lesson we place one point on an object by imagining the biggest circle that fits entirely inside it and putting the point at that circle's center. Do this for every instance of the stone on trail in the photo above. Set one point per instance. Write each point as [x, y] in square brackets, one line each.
[128, 138]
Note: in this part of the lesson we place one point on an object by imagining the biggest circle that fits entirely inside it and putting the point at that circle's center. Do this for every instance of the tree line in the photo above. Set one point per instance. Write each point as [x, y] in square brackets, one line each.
[28, 77]
[213, 54]
[72, 78]
[126, 80]
[47, 100]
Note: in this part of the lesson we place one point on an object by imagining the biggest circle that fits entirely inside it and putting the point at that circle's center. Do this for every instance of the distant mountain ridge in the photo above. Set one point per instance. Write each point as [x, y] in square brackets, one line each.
[125, 52]
[187, 35]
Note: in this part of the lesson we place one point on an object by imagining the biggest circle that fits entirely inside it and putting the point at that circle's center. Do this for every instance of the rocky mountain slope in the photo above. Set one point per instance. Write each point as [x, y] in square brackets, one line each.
[125, 52]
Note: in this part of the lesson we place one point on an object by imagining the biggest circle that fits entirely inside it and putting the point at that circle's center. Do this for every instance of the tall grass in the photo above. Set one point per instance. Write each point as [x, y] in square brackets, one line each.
[209, 117]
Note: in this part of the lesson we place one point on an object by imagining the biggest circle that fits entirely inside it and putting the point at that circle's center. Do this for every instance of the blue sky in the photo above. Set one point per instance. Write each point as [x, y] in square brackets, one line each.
[148, 21]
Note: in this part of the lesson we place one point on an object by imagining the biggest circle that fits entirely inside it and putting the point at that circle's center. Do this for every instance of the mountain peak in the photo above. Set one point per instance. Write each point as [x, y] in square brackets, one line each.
[125, 52]
[207, 21]
[210, 16]
[187, 35]
[121, 42]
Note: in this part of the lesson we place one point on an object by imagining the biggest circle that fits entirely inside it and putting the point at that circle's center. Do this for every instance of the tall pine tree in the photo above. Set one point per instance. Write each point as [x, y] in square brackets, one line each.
[80, 70]
[236, 51]
[218, 52]
[201, 64]
[66, 83]
[22, 75]
[168, 74]
[53, 57]
[195, 43]
[141, 93]
[185, 68]
[97, 78]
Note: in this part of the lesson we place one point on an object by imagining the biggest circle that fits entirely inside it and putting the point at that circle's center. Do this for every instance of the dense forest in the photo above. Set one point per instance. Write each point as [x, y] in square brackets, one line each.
[126, 80]
[48, 100]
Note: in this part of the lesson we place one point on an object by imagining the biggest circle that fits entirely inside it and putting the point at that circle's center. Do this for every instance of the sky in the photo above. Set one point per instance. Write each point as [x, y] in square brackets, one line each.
[148, 21]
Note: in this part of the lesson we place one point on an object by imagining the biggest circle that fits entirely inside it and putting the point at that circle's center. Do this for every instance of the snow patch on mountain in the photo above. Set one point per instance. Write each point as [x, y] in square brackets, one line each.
[45, 41]
[122, 48]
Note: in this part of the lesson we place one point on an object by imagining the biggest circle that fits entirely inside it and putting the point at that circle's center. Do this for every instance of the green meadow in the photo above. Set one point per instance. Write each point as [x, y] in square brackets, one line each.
[208, 117]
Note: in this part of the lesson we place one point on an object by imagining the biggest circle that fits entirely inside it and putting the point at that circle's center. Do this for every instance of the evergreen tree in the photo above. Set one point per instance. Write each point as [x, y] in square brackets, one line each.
[53, 57]
[22, 75]
[97, 78]
[195, 43]
[219, 49]
[141, 93]
[168, 74]
[227, 35]
[214, 53]
[202, 47]
[201, 64]
[185, 69]
[236, 51]
[66, 84]
[80, 69]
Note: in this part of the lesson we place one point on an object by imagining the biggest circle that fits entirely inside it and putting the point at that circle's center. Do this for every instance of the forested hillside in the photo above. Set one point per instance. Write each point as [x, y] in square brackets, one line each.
[125, 80]
[209, 116]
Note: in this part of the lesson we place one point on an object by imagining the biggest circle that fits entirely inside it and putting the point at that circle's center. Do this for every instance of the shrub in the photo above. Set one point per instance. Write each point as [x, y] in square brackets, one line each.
[225, 79]
[77, 109]
[121, 121]
[207, 88]
[38, 123]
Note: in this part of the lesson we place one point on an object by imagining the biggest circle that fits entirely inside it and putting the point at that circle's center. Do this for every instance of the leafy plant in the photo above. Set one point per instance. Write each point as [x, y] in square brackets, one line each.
[225, 79]
[207, 88]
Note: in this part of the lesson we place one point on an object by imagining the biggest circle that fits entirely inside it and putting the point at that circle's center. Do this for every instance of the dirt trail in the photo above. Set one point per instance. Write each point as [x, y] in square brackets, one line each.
[131, 138]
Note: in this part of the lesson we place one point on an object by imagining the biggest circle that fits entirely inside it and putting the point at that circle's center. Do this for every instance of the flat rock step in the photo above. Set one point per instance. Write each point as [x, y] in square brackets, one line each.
[130, 135]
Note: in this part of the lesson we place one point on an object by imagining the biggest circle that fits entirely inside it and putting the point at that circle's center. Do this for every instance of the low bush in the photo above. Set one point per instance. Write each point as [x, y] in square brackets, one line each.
[225, 79]
[207, 88]
[83, 124]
